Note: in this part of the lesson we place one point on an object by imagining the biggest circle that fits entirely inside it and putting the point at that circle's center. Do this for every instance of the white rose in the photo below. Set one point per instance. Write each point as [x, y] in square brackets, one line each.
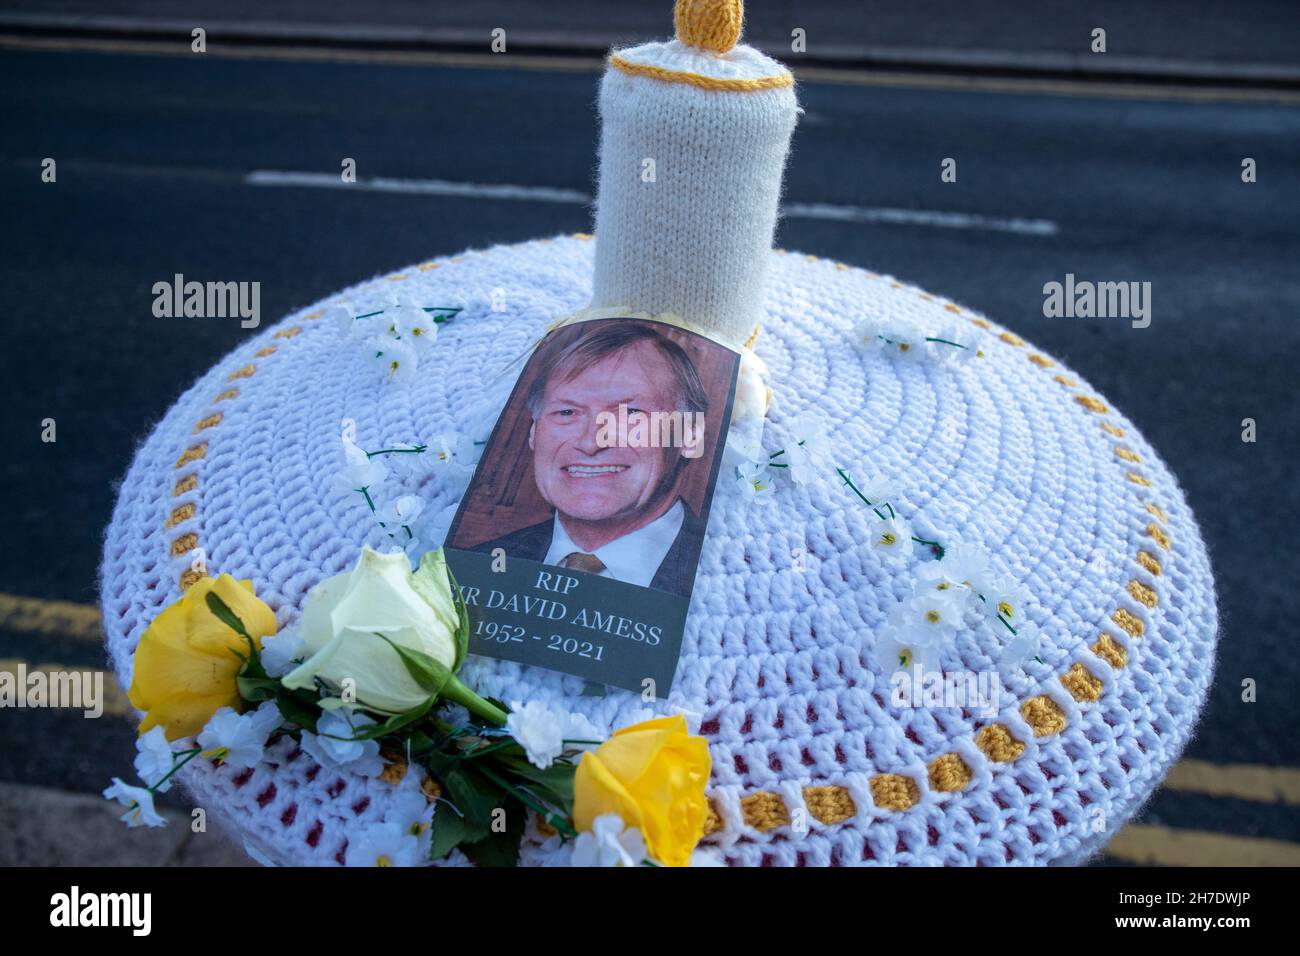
[345, 616]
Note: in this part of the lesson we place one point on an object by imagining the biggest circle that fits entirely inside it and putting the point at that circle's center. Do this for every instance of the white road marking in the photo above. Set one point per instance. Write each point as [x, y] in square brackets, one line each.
[430, 187]
[508, 191]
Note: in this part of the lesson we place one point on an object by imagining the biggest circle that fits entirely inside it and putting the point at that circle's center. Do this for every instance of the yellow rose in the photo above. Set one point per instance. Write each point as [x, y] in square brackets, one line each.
[652, 775]
[185, 665]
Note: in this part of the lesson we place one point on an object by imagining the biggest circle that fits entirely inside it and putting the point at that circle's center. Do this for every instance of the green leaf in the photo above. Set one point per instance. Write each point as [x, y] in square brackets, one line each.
[429, 673]
[500, 849]
[256, 689]
[472, 793]
[298, 710]
[557, 778]
[394, 723]
[450, 830]
[462, 623]
[227, 617]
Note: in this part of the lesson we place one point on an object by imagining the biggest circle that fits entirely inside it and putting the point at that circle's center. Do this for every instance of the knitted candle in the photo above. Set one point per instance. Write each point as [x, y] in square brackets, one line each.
[694, 138]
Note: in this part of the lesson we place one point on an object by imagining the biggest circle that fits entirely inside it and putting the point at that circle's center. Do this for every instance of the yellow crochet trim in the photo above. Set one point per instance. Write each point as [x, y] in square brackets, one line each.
[210, 422]
[1128, 622]
[713, 83]
[1149, 561]
[193, 453]
[1110, 651]
[1083, 685]
[893, 791]
[949, 773]
[998, 743]
[1142, 594]
[1158, 536]
[764, 811]
[185, 485]
[183, 513]
[184, 544]
[1043, 715]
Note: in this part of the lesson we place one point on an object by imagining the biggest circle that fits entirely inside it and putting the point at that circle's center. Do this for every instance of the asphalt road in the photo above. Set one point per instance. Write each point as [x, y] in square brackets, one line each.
[152, 154]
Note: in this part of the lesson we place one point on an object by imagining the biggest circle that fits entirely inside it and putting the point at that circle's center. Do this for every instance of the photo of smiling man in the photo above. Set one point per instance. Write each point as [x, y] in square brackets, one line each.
[609, 447]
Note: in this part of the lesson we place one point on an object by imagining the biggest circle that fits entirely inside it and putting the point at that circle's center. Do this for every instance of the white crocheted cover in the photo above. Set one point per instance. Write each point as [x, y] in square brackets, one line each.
[1013, 452]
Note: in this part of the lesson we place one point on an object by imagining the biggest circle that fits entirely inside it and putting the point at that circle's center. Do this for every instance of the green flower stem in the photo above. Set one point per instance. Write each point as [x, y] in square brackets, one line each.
[849, 481]
[956, 345]
[458, 693]
[365, 493]
[188, 755]
[526, 799]
[417, 450]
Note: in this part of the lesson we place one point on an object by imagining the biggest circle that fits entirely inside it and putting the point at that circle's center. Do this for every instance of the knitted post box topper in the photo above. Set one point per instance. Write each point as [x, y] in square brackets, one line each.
[786, 662]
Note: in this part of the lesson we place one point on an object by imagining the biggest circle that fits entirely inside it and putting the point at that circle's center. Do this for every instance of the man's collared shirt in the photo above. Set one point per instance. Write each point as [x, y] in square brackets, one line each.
[635, 557]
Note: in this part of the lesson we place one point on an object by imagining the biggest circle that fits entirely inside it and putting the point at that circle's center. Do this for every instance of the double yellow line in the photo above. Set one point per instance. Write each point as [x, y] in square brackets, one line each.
[571, 63]
[1137, 843]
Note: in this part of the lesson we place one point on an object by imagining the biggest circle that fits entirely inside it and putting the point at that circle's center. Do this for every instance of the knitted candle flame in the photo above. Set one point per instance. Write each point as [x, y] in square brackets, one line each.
[709, 24]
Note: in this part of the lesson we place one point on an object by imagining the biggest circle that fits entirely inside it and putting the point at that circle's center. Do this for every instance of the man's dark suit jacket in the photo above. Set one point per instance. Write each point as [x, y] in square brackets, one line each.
[676, 572]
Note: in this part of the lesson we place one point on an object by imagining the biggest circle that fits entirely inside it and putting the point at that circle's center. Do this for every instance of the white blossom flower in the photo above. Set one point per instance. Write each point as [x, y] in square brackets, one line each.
[967, 564]
[902, 339]
[877, 489]
[943, 348]
[395, 358]
[400, 514]
[396, 311]
[325, 747]
[382, 844]
[1007, 599]
[413, 325]
[609, 844]
[412, 811]
[806, 452]
[869, 334]
[238, 740]
[1024, 645]
[891, 539]
[932, 611]
[154, 759]
[138, 802]
[946, 580]
[755, 480]
[359, 470]
[280, 650]
[343, 317]
[542, 732]
[899, 649]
